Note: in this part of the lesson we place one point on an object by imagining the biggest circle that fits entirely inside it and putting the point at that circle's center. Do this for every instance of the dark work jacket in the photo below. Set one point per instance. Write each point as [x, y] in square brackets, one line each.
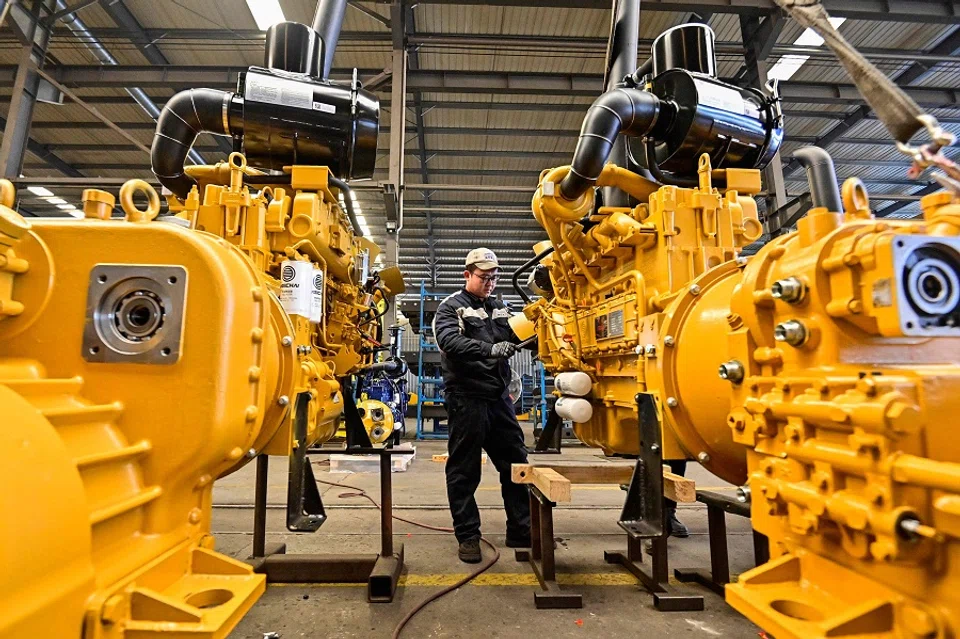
[466, 328]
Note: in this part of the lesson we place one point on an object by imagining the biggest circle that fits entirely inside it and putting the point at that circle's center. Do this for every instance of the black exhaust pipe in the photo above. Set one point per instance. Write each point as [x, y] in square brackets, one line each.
[327, 22]
[621, 111]
[821, 176]
[282, 114]
[621, 61]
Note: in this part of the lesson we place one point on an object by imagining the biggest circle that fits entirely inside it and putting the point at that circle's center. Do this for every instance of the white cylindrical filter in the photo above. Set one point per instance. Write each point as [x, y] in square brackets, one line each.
[576, 409]
[316, 296]
[295, 285]
[576, 383]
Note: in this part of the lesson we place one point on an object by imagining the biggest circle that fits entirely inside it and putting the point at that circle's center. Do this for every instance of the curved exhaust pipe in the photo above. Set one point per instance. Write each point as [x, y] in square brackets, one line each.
[621, 111]
[821, 176]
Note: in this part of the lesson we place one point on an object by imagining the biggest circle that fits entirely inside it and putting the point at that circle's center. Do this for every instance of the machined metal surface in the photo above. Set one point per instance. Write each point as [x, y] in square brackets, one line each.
[927, 294]
[135, 314]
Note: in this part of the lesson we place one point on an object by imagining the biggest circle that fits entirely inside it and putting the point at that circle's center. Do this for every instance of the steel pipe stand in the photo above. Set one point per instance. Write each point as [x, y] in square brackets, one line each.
[382, 583]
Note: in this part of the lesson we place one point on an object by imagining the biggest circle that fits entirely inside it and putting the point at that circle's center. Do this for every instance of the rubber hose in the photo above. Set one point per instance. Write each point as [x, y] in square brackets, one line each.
[348, 200]
[515, 279]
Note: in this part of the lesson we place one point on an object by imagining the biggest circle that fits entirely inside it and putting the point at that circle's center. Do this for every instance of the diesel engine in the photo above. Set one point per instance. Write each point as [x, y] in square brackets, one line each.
[819, 374]
[142, 358]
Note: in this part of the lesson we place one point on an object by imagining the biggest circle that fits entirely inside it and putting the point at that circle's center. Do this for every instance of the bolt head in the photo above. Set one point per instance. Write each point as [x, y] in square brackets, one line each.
[283, 400]
[790, 290]
[703, 457]
[672, 402]
[654, 448]
[668, 340]
[650, 350]
[695, 289]
[741, 261]
[793, 332]
[252, 453]
[287, 340]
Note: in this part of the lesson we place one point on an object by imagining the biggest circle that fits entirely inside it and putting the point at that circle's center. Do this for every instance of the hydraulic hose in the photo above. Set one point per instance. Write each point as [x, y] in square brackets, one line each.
[821, 177]
[348, 200]
[515, 279]
[622, 110]
[185, 116]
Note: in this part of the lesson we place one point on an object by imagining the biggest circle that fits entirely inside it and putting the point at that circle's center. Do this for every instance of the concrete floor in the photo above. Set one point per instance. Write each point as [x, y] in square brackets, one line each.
[499, 606]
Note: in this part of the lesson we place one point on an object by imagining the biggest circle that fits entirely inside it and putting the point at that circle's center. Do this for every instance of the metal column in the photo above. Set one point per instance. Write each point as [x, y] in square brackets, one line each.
[398, 132]
[759, 39]
[16, 134]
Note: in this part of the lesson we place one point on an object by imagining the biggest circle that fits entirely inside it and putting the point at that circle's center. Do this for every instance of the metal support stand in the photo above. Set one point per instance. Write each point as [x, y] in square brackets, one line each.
[305, 513]
[542, 556]
[718, 505]
[643, 517]
[550, 438]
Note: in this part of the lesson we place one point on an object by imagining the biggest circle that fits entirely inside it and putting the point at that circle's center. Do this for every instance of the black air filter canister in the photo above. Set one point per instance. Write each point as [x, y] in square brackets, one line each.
[689, 47]
[294, 119]
[293, 47]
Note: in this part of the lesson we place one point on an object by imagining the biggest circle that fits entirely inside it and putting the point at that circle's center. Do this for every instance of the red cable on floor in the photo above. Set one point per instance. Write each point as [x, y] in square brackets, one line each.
[359, 492]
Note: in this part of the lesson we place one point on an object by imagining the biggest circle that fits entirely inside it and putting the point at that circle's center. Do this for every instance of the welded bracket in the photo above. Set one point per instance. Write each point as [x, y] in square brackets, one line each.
[549, 441]
[305, 511]
[357, 436]
[642, 515]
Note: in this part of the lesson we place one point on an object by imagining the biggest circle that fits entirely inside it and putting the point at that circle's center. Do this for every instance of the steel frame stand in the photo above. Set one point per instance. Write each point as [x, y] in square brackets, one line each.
[551, 437]
[305, 513]
[542, 557]
[718, 505]
[643, 517]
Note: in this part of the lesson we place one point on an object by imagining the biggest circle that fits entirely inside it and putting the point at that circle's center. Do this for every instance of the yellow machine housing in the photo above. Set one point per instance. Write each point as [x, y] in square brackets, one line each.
[838, 355]
[141, 359]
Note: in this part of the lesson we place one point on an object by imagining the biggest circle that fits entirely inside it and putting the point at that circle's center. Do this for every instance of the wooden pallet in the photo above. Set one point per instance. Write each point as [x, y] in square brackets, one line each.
[553, 479]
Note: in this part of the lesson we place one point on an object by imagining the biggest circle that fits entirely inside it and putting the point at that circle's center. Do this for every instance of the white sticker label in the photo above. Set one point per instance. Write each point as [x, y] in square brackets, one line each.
[720, 97]
[324, 107]
[364, 265]
[265, 88]
[316, 296]
[295, 287]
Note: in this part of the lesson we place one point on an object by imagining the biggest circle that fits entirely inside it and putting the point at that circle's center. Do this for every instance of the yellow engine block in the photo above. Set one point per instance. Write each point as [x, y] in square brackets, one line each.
[823, 373]
[141, 359]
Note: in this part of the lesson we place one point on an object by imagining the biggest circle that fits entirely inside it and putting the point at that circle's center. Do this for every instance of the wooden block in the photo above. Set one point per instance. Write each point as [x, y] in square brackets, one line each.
[679, 489]
[552, 484]
[675, 487]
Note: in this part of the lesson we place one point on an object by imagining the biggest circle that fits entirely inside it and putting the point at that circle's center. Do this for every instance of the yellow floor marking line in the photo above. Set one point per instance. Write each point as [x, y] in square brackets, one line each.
[492, 579]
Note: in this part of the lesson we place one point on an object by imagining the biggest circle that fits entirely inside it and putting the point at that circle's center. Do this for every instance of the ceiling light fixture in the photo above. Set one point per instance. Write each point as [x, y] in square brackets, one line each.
[40, 191]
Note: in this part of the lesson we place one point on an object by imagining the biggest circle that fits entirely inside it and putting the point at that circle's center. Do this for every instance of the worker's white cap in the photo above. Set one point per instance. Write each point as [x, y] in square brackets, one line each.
[482, 258]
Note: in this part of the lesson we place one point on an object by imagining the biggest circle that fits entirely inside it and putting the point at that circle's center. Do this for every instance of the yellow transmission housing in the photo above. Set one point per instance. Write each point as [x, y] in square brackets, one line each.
[141, 359]
[825, 371]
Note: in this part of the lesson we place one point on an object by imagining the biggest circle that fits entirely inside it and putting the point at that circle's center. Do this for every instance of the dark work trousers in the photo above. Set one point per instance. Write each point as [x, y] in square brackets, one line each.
[677, 467]
[490, 425]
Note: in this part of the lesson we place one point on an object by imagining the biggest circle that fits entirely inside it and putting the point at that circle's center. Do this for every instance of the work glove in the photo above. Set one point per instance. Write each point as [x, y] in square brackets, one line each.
[503, 349]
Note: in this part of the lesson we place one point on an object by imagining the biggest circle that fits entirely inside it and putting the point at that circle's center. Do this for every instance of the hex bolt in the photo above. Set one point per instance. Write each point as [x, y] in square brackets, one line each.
[703, 457]
[732, 371]
[668, 340]
[283, 400]
[672, 402]
[743, 494]
[287, 340]
[790, 290]
[793, 332]
[741, 261]
[654, 448]
[650, 350]
[695, 289]
[252, 453]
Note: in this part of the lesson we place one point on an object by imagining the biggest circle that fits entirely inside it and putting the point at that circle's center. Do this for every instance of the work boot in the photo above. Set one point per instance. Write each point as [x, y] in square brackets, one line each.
[675, 527]
[470, 551]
